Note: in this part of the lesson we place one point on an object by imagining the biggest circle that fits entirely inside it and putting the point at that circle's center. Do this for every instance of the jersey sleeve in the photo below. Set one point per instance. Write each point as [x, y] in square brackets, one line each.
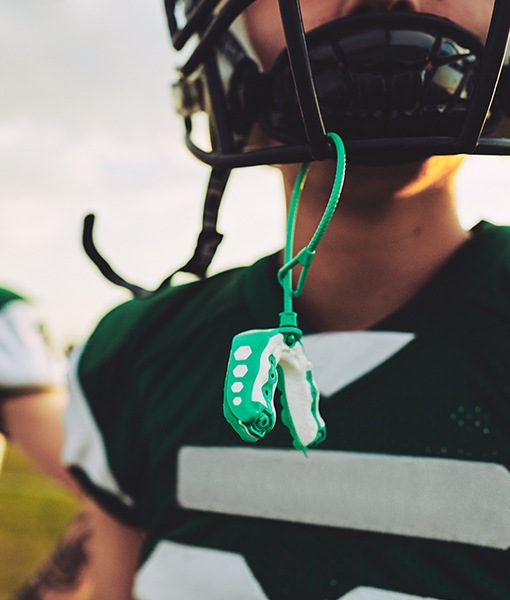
[86, 449]
[101, 423]
[26, 360]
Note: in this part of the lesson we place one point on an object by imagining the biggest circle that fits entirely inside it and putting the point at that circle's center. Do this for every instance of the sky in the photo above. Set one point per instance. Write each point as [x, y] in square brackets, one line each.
[87, 125]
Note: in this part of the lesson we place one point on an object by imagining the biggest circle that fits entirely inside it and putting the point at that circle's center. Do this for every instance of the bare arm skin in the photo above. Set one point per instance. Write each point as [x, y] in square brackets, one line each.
[114, 555]
[33, 422]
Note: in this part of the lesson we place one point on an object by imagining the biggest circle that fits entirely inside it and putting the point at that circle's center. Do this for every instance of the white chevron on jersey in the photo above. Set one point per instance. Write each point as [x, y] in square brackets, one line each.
[339, 358]
[180, 572]
[442, 499]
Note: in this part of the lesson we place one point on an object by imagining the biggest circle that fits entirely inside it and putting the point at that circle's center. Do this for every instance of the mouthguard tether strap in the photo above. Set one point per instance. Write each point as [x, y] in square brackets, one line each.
[262, 361]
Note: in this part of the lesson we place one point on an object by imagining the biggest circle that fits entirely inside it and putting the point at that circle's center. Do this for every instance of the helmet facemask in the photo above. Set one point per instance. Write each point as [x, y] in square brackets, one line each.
[402, 85]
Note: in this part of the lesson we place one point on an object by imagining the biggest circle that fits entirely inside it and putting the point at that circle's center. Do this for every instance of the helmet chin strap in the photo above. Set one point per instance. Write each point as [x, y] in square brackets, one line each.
[207, 243]
[103, 265]
[209, 238]
[262, 361]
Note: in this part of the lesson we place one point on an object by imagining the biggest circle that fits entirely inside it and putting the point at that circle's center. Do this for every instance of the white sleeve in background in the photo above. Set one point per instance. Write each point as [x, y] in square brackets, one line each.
[25, 358]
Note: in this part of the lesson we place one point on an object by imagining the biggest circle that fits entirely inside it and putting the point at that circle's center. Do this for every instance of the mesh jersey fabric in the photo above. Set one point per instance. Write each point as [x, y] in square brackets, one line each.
[149, 383]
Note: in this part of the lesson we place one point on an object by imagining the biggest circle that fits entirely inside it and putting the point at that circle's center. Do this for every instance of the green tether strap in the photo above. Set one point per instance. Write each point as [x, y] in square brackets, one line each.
[288, 318]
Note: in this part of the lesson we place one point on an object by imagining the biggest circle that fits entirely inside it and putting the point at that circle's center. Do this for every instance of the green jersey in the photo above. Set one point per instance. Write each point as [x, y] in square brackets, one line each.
[408, 496]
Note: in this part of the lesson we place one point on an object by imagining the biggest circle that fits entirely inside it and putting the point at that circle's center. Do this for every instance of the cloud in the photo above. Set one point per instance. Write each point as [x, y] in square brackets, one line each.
[482, 190]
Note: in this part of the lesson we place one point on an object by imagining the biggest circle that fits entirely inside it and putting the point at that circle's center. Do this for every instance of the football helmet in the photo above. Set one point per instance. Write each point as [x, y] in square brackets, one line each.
[398, 85]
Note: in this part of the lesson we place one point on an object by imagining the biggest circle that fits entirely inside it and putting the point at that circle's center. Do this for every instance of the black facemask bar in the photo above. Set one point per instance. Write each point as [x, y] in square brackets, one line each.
[210, 29]
[378, 75]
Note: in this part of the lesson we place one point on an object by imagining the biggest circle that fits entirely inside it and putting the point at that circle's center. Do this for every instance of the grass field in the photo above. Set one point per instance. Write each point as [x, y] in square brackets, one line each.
[33, 514]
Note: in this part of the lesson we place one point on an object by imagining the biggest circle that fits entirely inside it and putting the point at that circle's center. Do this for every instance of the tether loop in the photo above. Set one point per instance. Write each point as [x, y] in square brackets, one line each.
[305, 256]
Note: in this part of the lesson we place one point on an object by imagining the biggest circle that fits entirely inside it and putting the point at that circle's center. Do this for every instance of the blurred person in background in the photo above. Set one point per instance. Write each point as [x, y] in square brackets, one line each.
[32, 400]
[32, 380]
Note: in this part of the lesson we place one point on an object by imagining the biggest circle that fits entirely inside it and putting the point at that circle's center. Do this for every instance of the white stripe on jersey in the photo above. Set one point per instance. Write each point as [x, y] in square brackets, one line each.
[339, 358]
[83, 443]
[442, 499]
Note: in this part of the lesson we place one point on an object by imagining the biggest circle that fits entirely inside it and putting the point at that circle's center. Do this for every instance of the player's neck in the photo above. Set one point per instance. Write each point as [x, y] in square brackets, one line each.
[377, 253]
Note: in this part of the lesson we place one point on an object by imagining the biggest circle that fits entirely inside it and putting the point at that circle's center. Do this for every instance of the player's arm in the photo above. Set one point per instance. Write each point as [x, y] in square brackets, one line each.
[33, 422]
[32, 387]
[96, 559]
[114, 555]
